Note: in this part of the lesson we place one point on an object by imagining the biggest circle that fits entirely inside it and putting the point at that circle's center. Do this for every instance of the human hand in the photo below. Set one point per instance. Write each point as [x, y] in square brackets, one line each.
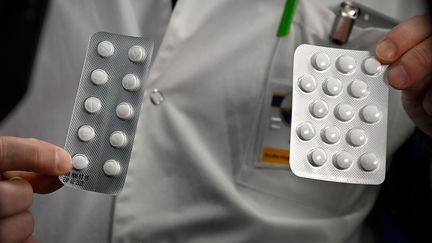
[408, 50]
[26, 166]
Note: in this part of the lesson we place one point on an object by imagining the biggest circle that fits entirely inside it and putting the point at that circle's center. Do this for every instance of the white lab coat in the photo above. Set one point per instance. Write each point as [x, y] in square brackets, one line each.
[186, 180]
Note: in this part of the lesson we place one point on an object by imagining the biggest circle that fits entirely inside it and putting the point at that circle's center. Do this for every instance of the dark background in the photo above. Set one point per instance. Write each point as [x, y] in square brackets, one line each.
[21, 23]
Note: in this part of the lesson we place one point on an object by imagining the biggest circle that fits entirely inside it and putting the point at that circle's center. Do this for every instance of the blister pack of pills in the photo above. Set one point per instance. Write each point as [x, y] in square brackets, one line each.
[106, 111]
[339, 115]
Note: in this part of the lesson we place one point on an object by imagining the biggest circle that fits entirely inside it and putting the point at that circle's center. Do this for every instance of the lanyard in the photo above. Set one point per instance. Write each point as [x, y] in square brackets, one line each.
[283, 31]
[287, 18]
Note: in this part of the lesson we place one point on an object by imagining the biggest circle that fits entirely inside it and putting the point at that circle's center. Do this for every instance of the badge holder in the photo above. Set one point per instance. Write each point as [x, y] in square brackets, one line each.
[268, 145]
[272, 142]
[265, 164]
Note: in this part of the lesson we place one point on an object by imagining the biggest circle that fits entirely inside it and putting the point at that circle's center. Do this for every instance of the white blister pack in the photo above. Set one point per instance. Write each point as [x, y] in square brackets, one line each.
[106, 111]
[339, 115]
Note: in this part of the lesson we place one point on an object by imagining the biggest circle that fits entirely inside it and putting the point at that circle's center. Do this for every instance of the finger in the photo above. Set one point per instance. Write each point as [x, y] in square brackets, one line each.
[416, 102]
[16, 228]
[16, 195]
[31, 239]
[40, 183]
[33, 155]
[414, 106]
[402, 38]
[427, 102]
[412, 68]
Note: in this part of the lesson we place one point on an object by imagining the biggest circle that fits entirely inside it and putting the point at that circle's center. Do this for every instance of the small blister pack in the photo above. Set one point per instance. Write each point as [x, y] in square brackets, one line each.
[339, 115]
[106, 111]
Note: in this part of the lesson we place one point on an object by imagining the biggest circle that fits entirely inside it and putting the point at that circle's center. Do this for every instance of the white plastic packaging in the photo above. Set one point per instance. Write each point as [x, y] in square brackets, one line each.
[106, 111]
[339, 115]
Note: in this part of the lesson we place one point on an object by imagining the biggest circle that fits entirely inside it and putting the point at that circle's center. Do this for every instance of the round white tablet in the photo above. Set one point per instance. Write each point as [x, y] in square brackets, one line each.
[317, 157]
[112, 168]
[356, 137]
[369, 162]
[342, 160]
[330, 134]
[307, 83]
[137, 54]
[332, 86]
[125, 111]
[99, 77]
[105, 49]
[305, 131]
[344, 112]
[318, 109]
[320, 61]
[92, 105]
[371, 66]
[370, 114]
[80, 161]
[118, 139]
[358, 89]
[86, 133]
[346, 64]
[131, 82]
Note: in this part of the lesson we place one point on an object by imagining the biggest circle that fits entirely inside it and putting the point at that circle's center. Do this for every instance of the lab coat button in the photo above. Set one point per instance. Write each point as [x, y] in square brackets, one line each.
[156, 97]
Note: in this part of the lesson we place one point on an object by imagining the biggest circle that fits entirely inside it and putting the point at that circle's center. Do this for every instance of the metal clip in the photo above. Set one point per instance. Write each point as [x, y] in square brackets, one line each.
[344, 22]
[350, 13]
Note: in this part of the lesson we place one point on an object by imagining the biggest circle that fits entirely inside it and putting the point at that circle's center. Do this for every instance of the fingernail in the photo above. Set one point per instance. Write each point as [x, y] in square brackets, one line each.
[386, 50]
[63, 160]
[16, 178]
[398, 76]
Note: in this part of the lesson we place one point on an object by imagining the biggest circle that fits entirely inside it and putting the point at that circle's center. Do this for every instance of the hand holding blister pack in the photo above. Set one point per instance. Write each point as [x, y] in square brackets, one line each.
[106, 111]
[339, 115]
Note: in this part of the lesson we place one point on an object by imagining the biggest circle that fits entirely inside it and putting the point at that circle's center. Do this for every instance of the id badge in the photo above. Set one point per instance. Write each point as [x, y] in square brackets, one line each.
[273, 140]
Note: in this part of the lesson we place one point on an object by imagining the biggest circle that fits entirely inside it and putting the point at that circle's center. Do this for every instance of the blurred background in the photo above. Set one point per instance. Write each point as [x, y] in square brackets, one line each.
[403, 211]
